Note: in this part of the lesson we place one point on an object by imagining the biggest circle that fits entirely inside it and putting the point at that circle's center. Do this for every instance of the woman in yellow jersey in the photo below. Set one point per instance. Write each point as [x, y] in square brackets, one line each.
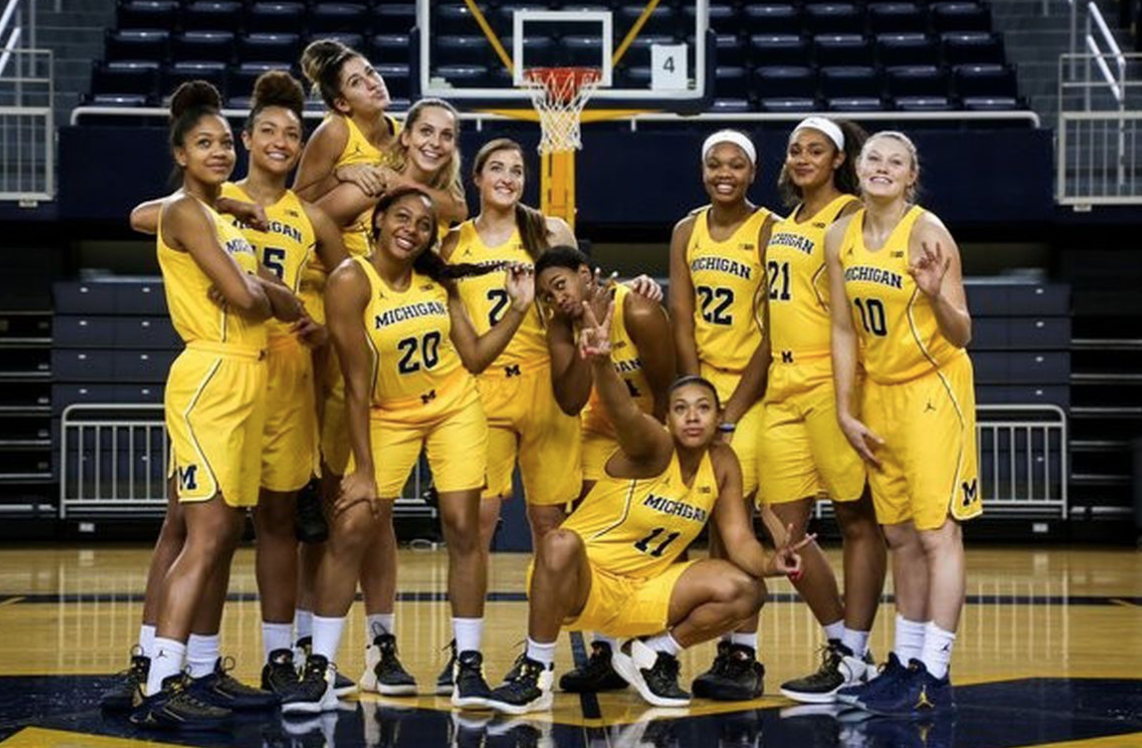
[614, 563]
[900, 314]
[214, 408]
[290, 233]
[407, 347]
[802, 453]
[717, 282]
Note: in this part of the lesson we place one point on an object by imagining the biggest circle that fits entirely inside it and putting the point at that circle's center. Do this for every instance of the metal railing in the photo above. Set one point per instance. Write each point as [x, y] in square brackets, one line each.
[27, 126]
[114, 460]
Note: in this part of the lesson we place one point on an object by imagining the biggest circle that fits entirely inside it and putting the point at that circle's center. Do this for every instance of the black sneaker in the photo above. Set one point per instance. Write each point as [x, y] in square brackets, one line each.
[342, 685]
[310, 524]
[839, 669]
[444, 680]
[175, 707]
[596, 675]
[223, 690]
[279, 675]
[742, 677]
[470, 690]
[529, 691]
[384, 672]
[705, 683]
[891, 671]
[120, 695]
[654, 674]
[314, 692]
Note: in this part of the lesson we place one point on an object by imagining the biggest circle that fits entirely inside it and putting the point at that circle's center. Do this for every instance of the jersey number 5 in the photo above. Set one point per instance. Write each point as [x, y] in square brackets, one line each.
[499, 299]
[724, 297]
[429, 347]
[274, 259]
[643, 545]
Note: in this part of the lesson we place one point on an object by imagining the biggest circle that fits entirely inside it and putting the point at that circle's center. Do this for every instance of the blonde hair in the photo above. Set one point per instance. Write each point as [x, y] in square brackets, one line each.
[910, 192]
[396, 153]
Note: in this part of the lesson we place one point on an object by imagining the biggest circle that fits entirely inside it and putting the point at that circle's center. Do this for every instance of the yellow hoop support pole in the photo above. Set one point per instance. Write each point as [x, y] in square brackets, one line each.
[557, 193]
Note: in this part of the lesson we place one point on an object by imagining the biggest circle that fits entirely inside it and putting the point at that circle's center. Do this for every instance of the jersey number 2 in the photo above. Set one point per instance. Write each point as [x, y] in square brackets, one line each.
[643, 545]
[719, 315]
[429, 347]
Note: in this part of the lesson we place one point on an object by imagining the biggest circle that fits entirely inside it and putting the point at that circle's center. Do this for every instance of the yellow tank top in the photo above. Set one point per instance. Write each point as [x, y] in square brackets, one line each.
[487, 301]
[359, 150]
[415, 365]
[196, 318]
[285, 249]
[628, 364]
[799, 322]
[639, 527]
[728, 281]
[900, 339]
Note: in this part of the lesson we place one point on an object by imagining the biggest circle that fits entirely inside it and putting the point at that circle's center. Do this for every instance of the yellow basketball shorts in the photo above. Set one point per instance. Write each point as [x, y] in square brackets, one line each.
[596, 450]
[627, 606]
[929, 465]
[526, 423]
[456, 442]
[214, 408]
[290, 437]
[801, 451]
[748, 431]
[334, 430]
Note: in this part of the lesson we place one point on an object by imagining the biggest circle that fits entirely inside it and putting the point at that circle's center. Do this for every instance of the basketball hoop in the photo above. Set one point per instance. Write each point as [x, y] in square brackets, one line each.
[559, 95]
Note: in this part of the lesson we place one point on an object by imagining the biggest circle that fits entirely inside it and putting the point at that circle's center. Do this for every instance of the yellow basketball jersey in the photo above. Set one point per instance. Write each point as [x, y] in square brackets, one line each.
[415, 365]
[628, 364]
[900, 339]
[799, 322]
[728, 281]
[194, 315]
[639, 527]
[358, 150]
[487, 301]
[284, 249]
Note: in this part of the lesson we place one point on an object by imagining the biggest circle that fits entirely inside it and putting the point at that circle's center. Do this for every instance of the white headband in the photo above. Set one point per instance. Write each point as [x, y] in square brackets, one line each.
[827, 126]
[730, 136]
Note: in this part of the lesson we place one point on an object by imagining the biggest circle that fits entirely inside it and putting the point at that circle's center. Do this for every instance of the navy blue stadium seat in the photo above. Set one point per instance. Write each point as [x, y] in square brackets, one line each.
[922, 103]
[896, 18]
[83, 331]
[146, 333]
[842, 49]
[80, 297]
[662, 20]
[264, 47]
[768, 50]
[960, 16]
[855, 104]
[899, 50]
[120, 100]
[466, 49]
[132, 77]
[137, 44]
[723, 18]
[142, 366]
[276, 17]
[581, 50]
[83, 365]
[148, 14]
[396, 18]
[240, 82]
[975, 81]
[834, 18]
[210, 15]
[349, 39]
[538, 51]
[181, 72]
[730, 49]
[796, 104]
[390, 48]
[634, 76]
[453, 19]
[327, 18]
[209, 46]
[973, 48]
[139, 297]
[849, 81]
[639, 51]
[732, 81]
[785, 82]
[917, 80]
[730, 106]
[772, 19]
[396, 77]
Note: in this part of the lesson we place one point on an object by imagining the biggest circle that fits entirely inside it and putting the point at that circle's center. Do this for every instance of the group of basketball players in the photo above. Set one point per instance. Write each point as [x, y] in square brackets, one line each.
[340, 327]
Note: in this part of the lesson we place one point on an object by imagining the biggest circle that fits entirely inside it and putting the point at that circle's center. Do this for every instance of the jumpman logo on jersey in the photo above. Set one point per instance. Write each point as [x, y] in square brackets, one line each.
[929, 407]
[923, 702]
[898, 254]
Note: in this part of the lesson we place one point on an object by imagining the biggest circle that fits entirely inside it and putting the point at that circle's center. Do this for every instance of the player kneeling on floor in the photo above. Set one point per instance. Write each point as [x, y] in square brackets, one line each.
[613, 565]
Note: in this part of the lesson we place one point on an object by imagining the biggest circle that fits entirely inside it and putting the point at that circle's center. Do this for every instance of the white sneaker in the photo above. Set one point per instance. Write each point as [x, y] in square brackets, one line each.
[653, 674]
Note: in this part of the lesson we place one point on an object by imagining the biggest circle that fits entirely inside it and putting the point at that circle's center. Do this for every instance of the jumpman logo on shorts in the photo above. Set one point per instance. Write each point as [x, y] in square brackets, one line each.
[428, 397]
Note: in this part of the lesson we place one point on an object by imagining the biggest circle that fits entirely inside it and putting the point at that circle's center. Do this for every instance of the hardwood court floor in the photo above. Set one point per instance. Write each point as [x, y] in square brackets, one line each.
[1049, 654]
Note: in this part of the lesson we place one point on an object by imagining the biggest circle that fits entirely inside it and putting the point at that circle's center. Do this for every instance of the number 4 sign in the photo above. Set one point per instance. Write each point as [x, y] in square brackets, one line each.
[669, 64]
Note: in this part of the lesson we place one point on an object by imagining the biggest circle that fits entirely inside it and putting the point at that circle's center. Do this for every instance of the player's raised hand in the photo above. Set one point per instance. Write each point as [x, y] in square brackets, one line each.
[355, 488]
[786, 561]
[519, 282]
[250, 214]
[861, 437]
[929, 269]
[646, 286]
[595, 336]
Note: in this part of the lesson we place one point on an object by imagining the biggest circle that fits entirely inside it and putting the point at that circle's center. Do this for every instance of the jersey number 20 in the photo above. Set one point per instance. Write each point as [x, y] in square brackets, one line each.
[428, 347]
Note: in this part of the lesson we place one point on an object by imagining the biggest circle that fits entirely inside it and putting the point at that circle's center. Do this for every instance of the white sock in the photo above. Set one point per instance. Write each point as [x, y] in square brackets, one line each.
[937, 652]
[468, 632]
[276, 636]
[544, 654]
[201, 654]
[604, 639]
[909, 640]
[303, 623]
[379, 623]
[166, 661]
[855, 641]
[744, 639]
[664, 643]
[147, 639]
[835, 630]
[327, 636]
